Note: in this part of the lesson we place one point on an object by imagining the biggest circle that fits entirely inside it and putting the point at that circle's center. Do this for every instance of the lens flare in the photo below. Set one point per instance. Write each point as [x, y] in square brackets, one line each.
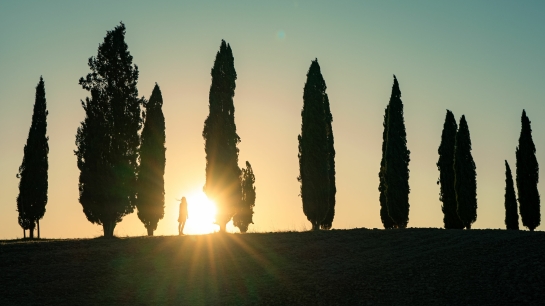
[202, 215]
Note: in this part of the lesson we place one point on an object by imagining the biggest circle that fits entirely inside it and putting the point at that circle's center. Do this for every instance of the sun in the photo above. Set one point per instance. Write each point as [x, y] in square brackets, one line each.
[202, 214]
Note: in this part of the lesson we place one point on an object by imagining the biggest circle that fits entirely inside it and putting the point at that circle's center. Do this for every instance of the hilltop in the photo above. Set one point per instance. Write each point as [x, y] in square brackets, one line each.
[344, 267]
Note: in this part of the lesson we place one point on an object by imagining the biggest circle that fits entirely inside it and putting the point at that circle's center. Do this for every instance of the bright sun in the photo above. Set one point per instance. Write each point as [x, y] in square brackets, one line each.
[202, 215]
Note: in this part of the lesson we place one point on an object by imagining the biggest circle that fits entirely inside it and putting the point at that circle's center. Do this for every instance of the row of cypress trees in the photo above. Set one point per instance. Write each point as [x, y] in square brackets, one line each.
[458, 178]
[316, 150]
[527, 179]
[122, 169]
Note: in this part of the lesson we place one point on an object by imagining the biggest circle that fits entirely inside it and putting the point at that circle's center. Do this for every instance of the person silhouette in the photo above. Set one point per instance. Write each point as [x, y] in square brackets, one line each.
[183, 216]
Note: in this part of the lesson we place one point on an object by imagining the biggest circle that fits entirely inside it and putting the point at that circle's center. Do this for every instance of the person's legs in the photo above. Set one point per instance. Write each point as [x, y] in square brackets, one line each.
[182, 225]
[179, 228]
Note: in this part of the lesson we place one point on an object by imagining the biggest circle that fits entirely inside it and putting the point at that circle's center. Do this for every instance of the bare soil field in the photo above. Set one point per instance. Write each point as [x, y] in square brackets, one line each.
[337, 267]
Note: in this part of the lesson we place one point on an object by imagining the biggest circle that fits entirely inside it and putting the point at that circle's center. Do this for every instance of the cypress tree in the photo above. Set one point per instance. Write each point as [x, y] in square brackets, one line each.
[528, 177]
[511, 213]
[32, 173]
[243, 217]
[313, 149]
[327, 223]
[107, 140]
[396, 163]
[446, 173]
[220, 135]
[150, 200]
[384, 217]
[465, 176]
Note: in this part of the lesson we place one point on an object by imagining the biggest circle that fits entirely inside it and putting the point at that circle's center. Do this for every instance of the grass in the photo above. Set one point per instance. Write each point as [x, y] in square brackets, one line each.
[338, 267]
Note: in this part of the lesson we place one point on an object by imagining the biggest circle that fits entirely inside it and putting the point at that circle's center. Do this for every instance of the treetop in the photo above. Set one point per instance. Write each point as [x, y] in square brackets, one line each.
[396, 92]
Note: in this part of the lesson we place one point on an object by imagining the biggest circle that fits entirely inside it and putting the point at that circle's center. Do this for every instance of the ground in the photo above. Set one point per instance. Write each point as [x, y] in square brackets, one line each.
[337, 267]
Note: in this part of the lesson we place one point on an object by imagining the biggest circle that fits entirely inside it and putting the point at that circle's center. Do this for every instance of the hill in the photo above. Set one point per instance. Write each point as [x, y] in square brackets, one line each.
[338, 267]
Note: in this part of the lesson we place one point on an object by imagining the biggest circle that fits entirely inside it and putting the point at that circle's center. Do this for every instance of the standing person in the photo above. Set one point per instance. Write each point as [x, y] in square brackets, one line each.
[183, 216]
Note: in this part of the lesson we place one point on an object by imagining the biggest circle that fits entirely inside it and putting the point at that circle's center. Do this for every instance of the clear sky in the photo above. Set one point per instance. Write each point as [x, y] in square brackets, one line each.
[484, 59]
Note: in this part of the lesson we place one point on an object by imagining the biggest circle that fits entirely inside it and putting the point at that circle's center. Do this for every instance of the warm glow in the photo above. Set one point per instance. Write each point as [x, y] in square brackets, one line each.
[202, 215]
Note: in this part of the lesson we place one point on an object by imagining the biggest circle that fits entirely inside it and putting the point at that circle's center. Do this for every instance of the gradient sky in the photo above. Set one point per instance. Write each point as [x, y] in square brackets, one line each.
[484, 59]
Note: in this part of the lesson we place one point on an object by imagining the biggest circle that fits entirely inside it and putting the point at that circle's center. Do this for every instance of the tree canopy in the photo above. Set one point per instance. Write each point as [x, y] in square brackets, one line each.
[511, 211]
[33, 172]
[316, 153]
[244, 217]
[327, 223]
[396, 162]
[150, 200]
[384, 217]
[465, 181]
[445, 164]
[528, 176]
[107, 140]
[221, 139]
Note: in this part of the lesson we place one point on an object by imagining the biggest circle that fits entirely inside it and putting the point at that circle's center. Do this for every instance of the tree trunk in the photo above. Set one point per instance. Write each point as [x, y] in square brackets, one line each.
[31, 232]
[150, 231]
[112, 227]
[108, 227]
[469, 227]
[315, 226]
[531, 229]
[105, 229]
[38, 223]
[222, 227]
[24, 233]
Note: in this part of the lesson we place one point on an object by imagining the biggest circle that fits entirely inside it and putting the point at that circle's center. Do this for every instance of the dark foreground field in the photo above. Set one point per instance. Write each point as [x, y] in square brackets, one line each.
[345, 267]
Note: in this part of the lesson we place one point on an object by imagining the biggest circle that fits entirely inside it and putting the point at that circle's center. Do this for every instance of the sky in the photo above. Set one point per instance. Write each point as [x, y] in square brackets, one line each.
[481, 59]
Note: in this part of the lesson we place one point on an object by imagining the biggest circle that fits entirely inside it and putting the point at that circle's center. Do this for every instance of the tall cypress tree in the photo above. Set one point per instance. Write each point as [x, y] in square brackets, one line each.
[465, 180]
[384, 217]
[221, 139]
[33, 176]
[511, 213]
[327, 223]
[107, 140]
[244, 216]
[528, 176]
[445, 164]
[313, 149]
[396, 163]
[150, 200]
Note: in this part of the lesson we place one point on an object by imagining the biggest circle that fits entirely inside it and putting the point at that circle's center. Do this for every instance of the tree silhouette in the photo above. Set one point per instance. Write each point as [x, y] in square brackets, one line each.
[107, 140]
[528, 176]
[465, 180]
[327, 223]
[220, 135]
[150, 200]
[511, 213]
[32, 173]
[445, 164]
[384, 217]
[243, 217]
[396, 164]
[314, 153]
